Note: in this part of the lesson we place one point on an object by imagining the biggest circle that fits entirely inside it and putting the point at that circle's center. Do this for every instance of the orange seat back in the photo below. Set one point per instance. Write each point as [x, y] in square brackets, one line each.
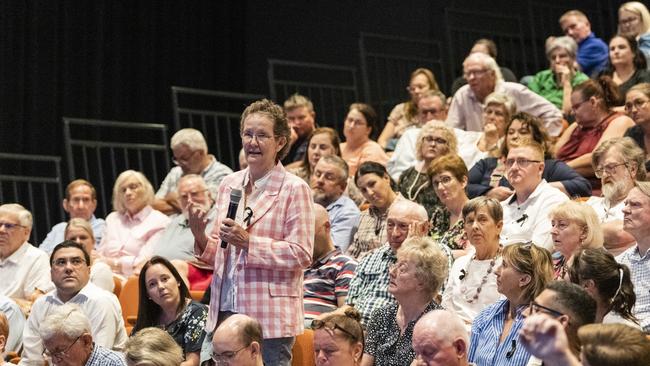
[303, 349]
[117, 286]
[129, 300]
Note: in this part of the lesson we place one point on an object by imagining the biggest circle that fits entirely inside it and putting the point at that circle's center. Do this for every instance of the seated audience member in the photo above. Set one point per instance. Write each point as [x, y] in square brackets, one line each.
[484, 77]
[524, 272]
[557, 82]
[592, 51]
[618, 163]
[434, 347]
[328, 184]
[405, 115]
[369, 286]
[595, 123]
[608, 283]
[16, 323]
[327, 280]
[70, 274]
[301, 118]
[80, 202]
[634, 21]
[574, 226]
[338, 338]
[488, 176]
[238, 341]
[134, 227]
[67, 336]
[377, 188]
[488, 47]
[637, 222]
[323, 141]
[571, 305]
[165, 303]
[21, 262]
[191, 157]
[359, 125]
[152, 347]
[4, 336]
[472, 282]
[415, 280]
[627, 64]
[637, 106]
[525, 213]
[498, 110]
[80, 231]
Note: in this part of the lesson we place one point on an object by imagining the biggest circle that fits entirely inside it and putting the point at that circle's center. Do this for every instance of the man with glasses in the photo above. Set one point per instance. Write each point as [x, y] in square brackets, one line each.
[70, 271]
[67, 336]
[23, 268]
[238, 341]
[190, 157]
[525, 213]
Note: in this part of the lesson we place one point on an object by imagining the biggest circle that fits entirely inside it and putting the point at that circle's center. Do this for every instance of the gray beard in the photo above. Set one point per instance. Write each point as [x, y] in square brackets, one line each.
[613, 190]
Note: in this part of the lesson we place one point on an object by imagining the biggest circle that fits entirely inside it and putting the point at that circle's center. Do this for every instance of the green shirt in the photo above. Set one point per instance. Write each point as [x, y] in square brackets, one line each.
[543, 83]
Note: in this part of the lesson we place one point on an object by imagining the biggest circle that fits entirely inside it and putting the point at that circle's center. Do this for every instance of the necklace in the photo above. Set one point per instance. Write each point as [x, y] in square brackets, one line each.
[465, 273]
[412, 197]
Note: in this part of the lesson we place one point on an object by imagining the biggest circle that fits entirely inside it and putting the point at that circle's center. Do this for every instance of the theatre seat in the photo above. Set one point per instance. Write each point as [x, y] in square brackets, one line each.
[303, 349]
[129, 301]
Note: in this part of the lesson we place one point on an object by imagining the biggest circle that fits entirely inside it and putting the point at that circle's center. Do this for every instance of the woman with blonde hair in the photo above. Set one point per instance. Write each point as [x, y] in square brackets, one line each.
[152, 347]
[81, 231]
[634, 21]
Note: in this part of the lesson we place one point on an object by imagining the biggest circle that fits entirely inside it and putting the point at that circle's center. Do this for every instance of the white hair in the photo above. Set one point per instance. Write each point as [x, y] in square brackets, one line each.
[191, 138]
[447, 320]
[414, 210]
[487, 62]
[67, 320]
[24, 216]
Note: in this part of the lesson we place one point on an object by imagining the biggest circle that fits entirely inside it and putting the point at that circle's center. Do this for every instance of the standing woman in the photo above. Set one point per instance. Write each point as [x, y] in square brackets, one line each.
[360, 124]
[627, 65]
[634, 21]
[259, 257]
[323, 141]
[637, 106]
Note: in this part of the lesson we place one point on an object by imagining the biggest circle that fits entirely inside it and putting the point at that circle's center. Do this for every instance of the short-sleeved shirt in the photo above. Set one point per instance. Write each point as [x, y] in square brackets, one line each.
[212, 175]
[188, 330]
[639, 265]
[24, 271]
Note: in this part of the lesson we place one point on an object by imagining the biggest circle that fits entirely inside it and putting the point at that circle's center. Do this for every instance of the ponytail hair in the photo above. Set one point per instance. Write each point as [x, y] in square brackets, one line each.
[603, 88]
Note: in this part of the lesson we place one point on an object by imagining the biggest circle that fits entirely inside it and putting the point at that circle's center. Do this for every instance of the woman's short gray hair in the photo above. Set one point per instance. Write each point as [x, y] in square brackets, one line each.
[431, 265]
[66, 320]
[502, 99]
[566, 43]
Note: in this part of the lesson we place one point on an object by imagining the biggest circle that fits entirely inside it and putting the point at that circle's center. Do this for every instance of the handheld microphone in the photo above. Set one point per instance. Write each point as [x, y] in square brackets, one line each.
[235, 196]
[511, 353]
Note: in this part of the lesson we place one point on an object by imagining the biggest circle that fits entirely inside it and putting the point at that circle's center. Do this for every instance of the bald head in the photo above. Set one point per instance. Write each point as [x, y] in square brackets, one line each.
[433, 346]
[408, 209]
[401, 214]
[322, 237]
[239, 332]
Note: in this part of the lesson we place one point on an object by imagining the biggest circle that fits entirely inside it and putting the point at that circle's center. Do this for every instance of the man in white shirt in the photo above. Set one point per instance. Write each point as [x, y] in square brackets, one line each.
[70, 274]
[23, 268]
[525, 213]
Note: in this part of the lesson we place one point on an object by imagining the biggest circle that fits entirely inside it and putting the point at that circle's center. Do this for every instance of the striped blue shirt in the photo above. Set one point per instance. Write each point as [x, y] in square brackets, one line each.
[484, 347]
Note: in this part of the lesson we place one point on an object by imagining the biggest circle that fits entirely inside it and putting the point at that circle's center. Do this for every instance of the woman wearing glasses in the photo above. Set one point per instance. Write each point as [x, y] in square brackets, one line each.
[488, 176]
[338, 338]
[637, 106]
[360, 123]
[634, 21]
[415, 279]
[522, 275]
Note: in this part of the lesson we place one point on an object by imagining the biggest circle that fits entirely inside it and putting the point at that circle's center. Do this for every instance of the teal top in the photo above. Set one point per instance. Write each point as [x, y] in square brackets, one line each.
[544, 84]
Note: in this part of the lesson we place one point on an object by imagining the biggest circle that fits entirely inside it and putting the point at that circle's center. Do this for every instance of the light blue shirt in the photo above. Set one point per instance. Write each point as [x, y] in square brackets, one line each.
[16, 319]
[57, 234]
[344, 220]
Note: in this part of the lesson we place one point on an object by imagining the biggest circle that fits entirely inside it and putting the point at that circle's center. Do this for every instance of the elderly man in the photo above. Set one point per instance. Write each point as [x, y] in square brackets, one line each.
[525, 213]
[592, 52]
[618, 162]
[434, 347]
[369, 286]
[636, 221]
[328, 183]
[67, 336]
[238, 341]
[24, 269]
[301, 118]
[327, 280]
[191, 157]
[70, 274]
[483, 78]
[80, 202]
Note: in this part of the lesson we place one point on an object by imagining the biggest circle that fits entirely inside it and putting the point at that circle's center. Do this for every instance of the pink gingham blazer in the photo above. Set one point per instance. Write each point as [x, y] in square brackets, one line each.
[269, 274]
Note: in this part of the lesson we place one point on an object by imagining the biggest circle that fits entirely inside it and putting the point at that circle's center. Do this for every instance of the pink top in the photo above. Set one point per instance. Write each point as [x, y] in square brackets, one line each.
[131, 238]
[371, 151]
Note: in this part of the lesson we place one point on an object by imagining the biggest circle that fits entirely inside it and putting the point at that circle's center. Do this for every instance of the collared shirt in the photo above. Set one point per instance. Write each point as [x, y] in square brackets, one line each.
[212, 174]
[57, 234]
[26, 270]
[484, 347]
[529, 220]
[639, 266]
[369, 286]
[16, 319]
[325, 281]
[593, 55]
[466, 111]
[177, 240]
[105, 357]
[604, 209]
[100, 306]
[370, 233]
[344, 220]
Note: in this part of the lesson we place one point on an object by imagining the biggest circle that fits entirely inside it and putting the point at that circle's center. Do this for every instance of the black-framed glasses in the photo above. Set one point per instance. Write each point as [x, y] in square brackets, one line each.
[224, 358]
[537, 308]
[438, 140]
[609, 169]
[76, 262]
[524, 163]
[60, 354]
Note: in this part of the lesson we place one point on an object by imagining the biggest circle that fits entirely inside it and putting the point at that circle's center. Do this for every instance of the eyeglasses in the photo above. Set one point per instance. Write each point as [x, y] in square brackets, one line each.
[521, 162]
[401, 268]
[436, 140]
[318, 324]
[76, 262]
[184, 160]
[9, 226]
[537, 308]
[575, 107]
[444, 180]
[224, 358]
[247, 137]
[61, 354]
[475, 73]
[610, 169]
[638, 104]
[629, 20]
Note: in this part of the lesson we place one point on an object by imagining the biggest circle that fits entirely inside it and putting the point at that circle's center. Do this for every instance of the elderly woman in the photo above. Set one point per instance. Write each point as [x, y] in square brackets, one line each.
[259, 256]
[434, 140]
[637, 106]
[415, 279]
[592, 103]
[152, 347]
[487, 177]
[608, 282]
[338, 338]
[376, 186]
[574, 226]
[323, 141]
[627, 65]
[498, 110]
[471, 285]
[557, 83]
[634, 21]
[81, 231]
[134, 227]
[522, 275]
[360, 124]
[404, 115]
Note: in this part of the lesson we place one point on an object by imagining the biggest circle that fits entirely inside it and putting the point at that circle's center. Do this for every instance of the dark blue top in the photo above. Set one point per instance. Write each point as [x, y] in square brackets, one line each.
[593, 55]
[554, 171]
